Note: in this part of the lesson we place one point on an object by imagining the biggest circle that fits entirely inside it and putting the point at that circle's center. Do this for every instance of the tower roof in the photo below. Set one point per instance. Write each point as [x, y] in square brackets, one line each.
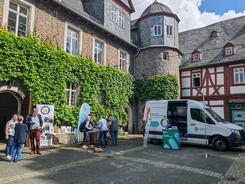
[156, 7]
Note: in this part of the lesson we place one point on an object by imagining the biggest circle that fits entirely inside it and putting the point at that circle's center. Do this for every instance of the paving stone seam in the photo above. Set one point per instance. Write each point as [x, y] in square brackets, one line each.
[236, 172]
[174, 166]
[49, 171]
[52, 170]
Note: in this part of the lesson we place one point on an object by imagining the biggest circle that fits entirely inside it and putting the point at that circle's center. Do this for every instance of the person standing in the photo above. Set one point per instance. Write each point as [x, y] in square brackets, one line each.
[114, 130]
[35, 123]
[19, 139]
[88, 127]
[102, 126]
[9, 131]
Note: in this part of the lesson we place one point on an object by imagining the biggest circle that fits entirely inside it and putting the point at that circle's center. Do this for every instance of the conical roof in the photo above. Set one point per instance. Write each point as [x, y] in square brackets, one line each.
[156, 7]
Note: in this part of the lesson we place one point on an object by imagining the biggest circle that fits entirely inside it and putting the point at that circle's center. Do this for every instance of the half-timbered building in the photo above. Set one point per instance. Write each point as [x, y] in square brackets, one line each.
[213, 67]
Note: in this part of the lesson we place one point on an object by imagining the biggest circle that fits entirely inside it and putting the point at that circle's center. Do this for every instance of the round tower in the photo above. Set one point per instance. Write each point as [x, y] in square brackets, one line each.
[158, 40]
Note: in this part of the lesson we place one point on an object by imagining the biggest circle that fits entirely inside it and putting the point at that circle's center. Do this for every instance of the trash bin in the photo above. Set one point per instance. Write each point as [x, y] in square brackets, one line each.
[171, 139]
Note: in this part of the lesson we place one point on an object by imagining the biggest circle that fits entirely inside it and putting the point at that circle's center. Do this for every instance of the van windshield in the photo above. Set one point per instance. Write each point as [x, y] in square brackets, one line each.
[215, 115]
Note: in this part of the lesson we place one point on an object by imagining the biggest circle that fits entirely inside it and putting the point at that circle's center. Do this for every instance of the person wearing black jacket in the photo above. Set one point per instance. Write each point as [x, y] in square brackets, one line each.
[19, 139]
[35, 123]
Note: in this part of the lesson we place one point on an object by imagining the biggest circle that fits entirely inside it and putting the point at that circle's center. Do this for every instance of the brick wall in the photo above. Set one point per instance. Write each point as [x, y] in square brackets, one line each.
[49, 24]
[87, 45]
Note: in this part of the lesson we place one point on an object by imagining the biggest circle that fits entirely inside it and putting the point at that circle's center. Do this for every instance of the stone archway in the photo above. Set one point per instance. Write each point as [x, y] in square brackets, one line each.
[130, 119]
[11, 99]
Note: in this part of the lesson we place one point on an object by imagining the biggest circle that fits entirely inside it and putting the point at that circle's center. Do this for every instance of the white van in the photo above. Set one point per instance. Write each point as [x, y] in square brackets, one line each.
[196, 122]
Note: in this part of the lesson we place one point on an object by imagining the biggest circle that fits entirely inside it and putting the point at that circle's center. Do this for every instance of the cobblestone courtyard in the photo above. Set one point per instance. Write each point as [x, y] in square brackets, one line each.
[128, 162]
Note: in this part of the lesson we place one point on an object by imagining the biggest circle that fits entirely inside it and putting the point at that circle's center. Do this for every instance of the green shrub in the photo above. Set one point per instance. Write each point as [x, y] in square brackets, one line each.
[156, 88]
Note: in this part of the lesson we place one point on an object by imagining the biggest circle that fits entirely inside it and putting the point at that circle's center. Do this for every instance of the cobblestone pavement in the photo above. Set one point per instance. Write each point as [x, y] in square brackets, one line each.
[129, 162]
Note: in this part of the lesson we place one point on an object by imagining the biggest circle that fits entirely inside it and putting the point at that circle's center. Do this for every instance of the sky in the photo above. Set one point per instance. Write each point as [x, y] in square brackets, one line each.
[197, 13]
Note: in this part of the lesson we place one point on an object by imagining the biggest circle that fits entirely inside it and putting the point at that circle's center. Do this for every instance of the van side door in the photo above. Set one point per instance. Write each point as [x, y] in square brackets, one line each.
[197, 130]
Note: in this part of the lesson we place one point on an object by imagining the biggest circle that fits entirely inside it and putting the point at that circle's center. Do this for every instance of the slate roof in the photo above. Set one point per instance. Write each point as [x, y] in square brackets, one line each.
[76, 6]
[230, 31]
[156, 7]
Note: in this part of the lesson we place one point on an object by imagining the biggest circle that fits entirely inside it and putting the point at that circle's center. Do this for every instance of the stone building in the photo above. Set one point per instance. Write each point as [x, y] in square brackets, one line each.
[98, 29]
[156, 35]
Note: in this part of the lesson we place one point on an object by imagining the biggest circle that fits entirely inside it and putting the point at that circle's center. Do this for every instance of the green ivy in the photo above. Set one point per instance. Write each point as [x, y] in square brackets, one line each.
[157, 88]
[44, 71]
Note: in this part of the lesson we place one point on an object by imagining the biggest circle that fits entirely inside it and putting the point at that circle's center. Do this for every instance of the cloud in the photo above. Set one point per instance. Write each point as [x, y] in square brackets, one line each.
[188, 12]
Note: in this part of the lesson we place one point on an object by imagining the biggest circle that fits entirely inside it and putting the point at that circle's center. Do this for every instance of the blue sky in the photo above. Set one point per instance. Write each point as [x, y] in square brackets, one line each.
[222, 6]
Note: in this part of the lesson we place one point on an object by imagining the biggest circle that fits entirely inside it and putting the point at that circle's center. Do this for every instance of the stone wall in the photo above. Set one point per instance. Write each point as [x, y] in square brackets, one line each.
[1, 11]
[150, 62]
[49, 24]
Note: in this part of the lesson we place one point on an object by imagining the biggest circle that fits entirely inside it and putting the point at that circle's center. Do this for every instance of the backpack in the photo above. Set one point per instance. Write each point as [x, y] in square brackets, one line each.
[82, 127]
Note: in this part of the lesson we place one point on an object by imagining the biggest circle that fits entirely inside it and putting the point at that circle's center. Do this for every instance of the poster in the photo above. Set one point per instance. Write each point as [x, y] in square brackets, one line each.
[47, 113]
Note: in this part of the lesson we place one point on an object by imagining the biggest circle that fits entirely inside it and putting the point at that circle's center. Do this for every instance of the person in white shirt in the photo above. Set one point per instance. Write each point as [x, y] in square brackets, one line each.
[9, 131]
[102, 126]
[35, 123]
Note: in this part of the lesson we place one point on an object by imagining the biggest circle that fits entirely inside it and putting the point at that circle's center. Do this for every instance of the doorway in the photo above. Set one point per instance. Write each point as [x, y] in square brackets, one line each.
[9, 104]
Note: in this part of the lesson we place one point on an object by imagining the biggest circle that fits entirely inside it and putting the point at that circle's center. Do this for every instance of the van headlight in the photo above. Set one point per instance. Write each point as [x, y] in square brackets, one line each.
[236, 132]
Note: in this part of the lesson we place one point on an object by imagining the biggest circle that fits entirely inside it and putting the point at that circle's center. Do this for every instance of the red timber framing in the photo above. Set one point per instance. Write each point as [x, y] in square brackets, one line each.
[216, 88]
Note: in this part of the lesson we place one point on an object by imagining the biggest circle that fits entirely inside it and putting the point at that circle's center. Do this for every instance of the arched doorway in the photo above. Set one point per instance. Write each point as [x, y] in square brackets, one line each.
[9, 104]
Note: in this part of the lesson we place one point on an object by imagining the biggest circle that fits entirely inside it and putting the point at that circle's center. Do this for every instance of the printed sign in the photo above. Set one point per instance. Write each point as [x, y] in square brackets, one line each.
[47, 113]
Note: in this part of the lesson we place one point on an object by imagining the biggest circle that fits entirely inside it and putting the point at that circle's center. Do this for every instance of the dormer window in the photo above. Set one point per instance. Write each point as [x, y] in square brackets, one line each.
[196, 56]
[214, 34]
[229, 49]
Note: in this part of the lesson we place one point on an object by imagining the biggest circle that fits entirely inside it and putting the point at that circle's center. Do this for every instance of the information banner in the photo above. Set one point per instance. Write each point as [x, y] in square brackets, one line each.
[47, 113]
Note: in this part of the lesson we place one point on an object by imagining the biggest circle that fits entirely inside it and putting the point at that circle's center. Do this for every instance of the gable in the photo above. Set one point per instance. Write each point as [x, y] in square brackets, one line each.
[126, 4]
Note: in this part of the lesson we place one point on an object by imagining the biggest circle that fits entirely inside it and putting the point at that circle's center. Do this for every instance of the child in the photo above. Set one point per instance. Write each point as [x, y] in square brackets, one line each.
[19, 139]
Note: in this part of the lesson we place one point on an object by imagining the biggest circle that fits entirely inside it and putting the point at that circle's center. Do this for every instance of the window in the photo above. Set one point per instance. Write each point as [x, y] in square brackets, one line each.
[169, 30]
[197, 115]
[117, 16]
[165, 55]
[229, 51]
[71, 94]
[239, 75]
[17, 19]
[157, 30]
[121, 19]
[72, 41]
[123, 62]
[114, 14]
[201, 116]
[99, 52]
[196, 57]
[196, 79]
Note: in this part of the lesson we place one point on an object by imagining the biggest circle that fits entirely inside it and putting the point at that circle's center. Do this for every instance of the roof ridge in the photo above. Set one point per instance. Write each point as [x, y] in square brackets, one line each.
[216, 23]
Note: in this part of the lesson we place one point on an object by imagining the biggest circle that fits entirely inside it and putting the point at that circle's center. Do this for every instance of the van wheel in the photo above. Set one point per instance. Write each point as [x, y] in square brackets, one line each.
[219, 143]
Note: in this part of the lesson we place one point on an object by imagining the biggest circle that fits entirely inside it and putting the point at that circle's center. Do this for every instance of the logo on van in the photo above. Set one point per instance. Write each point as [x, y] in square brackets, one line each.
[196, 129]
[154, 124]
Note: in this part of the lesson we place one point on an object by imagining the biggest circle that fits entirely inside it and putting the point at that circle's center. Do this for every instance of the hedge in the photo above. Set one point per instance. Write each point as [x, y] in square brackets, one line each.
[156, 88]
[45, 71]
